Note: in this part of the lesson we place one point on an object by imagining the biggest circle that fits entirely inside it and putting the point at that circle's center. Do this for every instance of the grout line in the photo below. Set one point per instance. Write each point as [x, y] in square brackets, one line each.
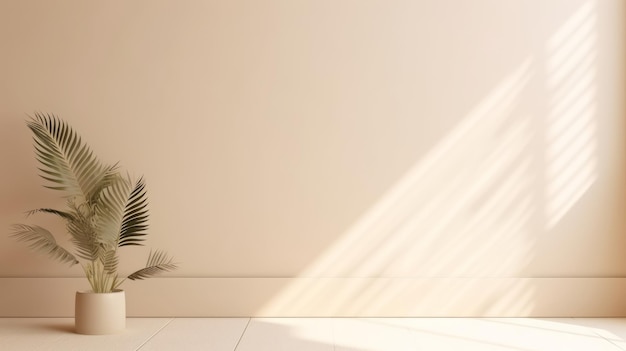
[242, 333]
[154, 334]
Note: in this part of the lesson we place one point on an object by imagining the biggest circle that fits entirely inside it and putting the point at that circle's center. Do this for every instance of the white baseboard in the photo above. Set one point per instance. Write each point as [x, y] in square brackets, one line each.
[331, 297]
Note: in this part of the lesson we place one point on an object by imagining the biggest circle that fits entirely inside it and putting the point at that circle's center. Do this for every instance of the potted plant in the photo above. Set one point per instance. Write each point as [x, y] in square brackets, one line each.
[105, 211]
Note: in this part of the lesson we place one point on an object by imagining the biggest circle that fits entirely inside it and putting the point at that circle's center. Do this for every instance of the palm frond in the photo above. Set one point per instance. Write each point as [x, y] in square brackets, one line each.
[42, 240]
[105, 210]
[122, 213]
[110, 210]
[83, 233]
[158, 262]
[66, 162]
[83, 238]
[110, 261]
[110, 175]
[65, 215]
[135, 220]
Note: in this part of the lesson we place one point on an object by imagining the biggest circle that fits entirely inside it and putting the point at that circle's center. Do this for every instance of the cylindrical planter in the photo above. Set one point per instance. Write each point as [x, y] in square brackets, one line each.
[100, 313]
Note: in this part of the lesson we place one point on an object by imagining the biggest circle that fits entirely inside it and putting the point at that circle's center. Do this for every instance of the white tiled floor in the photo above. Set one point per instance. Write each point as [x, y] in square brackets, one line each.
[324, 334]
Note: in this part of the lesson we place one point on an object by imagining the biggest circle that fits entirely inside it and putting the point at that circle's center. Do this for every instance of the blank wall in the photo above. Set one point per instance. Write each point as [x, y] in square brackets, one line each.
[333, 157]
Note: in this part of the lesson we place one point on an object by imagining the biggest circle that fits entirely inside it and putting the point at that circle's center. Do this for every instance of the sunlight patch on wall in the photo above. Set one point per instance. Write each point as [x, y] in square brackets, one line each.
[470, 210]
[465, 205]
[571, 128]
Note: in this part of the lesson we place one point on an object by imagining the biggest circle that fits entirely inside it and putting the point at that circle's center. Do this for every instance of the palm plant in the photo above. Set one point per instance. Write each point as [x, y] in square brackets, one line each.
[105, 210]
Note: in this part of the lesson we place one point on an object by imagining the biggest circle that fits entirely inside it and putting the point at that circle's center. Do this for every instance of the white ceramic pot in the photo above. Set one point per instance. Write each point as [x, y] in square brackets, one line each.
[100, 313]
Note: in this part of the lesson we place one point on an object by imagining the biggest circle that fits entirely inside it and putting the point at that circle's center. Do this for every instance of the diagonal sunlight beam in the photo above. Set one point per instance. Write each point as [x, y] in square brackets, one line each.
[434, 197]
[571, 152]
[473, 206]
[498, 103]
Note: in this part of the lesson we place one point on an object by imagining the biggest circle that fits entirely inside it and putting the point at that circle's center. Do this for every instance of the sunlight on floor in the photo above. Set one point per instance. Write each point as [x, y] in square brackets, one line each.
[385, 334]
[323, 334]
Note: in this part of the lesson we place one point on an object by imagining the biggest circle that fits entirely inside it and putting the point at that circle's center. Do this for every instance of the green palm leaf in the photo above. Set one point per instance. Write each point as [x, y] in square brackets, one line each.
[158, 262]
[110, 261]
[41, 239]
[105, 210]
[83, 233]
[122, 213]
[66, 162]
[110, 210]
[110, 176]
[65, 215]
[135, 221]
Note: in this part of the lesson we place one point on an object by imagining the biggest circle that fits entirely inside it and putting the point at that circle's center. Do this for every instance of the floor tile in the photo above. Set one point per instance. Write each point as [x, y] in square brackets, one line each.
[288, 334]
[215, 334]
[32, 333]
[505, 334]
[324, 334]
[58, 334]
[138, 331]
[372, 334]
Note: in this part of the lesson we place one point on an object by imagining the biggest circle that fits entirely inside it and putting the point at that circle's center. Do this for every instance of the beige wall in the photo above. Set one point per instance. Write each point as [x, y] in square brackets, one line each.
[379, 145]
